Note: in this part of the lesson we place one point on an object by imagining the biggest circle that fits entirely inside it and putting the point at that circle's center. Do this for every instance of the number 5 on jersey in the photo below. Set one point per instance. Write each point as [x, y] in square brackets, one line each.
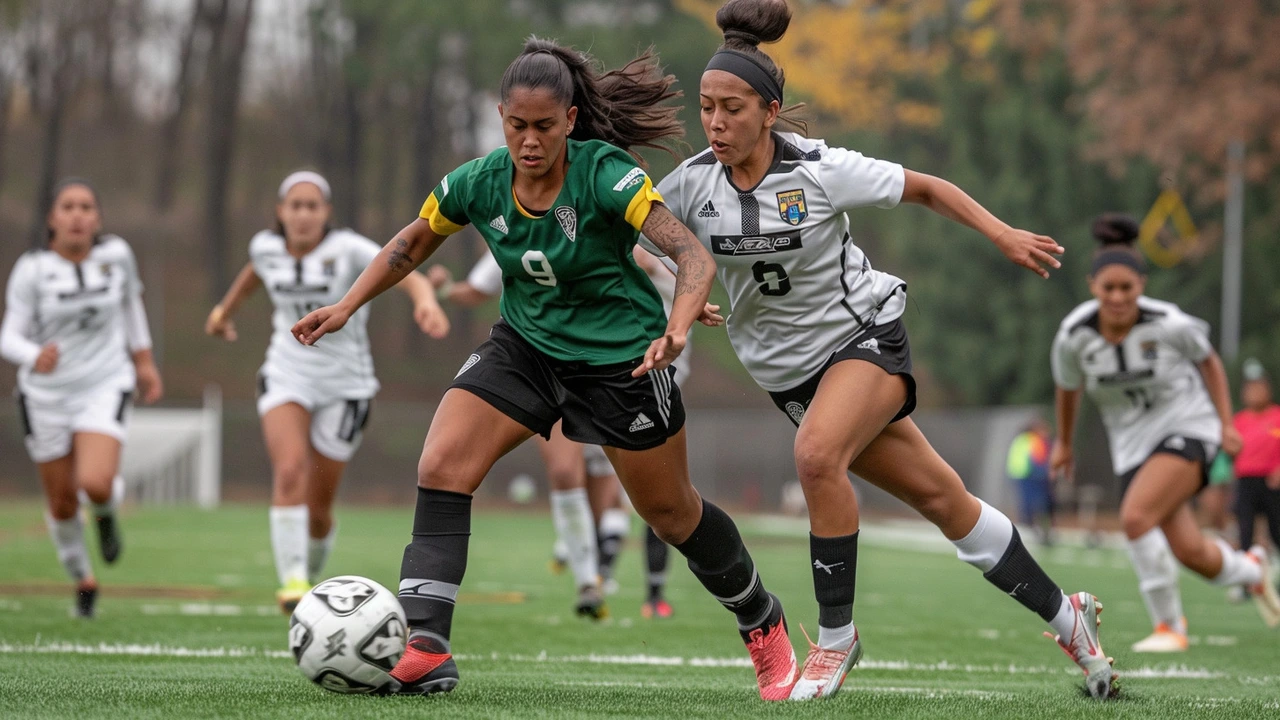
[541, 272]
[772, 278]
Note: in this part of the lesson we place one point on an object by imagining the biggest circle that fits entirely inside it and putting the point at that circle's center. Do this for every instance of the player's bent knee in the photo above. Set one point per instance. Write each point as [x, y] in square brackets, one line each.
[439, 471]
[817, 463]
[1134, 522]
[96, 485]
[290, 482]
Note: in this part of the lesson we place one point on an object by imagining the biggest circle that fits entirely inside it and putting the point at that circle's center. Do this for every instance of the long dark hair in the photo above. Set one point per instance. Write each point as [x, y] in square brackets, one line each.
[627, 107]
[748, 23]
[56, 193]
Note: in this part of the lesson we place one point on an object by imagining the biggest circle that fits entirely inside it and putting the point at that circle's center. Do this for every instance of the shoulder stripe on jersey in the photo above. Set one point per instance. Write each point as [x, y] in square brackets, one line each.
[1090, 321]
[791, 152]
[706, 158]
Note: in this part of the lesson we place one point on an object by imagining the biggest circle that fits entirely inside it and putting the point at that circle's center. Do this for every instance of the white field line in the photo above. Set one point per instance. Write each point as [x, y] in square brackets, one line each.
[1177, 672]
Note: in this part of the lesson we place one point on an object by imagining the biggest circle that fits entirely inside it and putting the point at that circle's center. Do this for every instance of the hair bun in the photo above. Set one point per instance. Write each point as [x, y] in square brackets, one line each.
[742, 36]
[1115, 229]
[753, 22]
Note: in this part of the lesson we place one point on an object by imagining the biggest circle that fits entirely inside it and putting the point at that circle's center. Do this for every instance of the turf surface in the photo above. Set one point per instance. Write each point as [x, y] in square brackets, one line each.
[186, 629]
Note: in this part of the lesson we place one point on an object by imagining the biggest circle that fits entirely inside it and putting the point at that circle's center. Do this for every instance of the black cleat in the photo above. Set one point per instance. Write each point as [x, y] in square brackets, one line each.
[85, 599]
[424, 669]
[109, 540]
[591, 603]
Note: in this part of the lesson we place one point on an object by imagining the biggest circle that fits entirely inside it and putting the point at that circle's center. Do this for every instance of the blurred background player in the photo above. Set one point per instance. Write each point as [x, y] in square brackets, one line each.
[1257, 465]
[583, 339]
[314, 402]
[1027, 467]
[1163, 396]
[75, 326]
[822, 332]
[613, 520]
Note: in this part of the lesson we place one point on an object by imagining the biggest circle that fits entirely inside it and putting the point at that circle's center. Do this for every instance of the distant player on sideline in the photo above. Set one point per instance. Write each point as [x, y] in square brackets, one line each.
[314, 402]
[1163, 396]
[561, 455]
[822, 332]
[75, 326]
[583, 339]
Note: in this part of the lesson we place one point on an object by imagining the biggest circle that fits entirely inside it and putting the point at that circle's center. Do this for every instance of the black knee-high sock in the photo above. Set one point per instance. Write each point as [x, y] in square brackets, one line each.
[1019, 576]
[608, 547]
[722, 564]
[435, 561]
[656, 553]
[835, 565]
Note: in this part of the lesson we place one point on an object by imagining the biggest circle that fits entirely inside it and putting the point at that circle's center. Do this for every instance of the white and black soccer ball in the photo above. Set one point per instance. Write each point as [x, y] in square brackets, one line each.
[347, 633]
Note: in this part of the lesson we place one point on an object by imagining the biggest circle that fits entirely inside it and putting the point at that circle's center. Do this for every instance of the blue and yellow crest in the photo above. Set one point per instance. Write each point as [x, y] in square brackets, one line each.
[791, 207]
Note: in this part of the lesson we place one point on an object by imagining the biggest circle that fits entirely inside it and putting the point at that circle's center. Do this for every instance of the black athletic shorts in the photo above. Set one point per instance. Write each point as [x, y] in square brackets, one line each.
[1197, 451]
[600, 404]
[885, 346]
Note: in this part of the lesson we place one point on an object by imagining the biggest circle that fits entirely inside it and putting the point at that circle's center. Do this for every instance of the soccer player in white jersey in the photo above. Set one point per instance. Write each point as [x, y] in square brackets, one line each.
[314, 401]
[75, 326]
[1163, 396]
[821, 331]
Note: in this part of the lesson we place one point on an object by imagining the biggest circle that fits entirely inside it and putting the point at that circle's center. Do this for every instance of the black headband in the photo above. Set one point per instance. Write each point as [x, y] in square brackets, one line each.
[1118, 257]
[750, 70]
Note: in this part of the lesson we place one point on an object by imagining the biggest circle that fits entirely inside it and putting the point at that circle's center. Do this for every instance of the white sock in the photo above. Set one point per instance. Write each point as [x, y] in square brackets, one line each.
[68, 540]
[835, 638]
[1064, 623]
[289, 542]
[1236, 568]
[1157, 572]
[987, 542]
[571, 513]
[560, 551]
[615, 522]
[318, 550]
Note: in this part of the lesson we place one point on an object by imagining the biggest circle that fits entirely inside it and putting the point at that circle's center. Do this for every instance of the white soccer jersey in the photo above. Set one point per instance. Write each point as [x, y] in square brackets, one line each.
[1146, 388]
[92, 310]
[799, 288]
[340, 364]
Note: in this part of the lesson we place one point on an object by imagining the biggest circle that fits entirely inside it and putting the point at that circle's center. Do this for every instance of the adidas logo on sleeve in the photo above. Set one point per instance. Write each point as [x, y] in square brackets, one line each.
[708, 211]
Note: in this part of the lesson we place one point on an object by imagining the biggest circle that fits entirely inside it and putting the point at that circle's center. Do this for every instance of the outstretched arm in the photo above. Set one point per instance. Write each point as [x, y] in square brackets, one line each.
[1066, 407]
[1034, 252]
[409, 249]
[1215, 381]
[219, 323]
[695, 271]
[426, 309]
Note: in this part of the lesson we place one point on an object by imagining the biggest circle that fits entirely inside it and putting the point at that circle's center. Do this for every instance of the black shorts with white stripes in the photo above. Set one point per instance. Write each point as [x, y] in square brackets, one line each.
[885, 346]
[600, 404]
[1190, 449]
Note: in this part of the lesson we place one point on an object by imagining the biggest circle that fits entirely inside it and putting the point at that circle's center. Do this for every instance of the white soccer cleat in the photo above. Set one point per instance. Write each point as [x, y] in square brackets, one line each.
[824, 670]
[1165, 639]
[1264, 593]
[1084, 649]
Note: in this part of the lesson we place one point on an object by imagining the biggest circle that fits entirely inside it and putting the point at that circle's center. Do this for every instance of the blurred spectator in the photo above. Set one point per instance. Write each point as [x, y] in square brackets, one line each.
[1258, 463]
[1028, 467]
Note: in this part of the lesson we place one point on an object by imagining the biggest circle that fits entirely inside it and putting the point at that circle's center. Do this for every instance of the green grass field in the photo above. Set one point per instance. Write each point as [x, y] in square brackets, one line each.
[186, 628]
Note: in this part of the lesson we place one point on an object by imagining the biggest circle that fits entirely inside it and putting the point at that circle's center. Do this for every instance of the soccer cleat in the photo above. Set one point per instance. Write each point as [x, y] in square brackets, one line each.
[557, 566]
[591, 603]
[291, 594]
[109, 540]
[772, 655]
[86, 596]
[824, 669]
[1165, 639]
[425, 668]
[1264, 592]
[659, 608]
[1083, 647]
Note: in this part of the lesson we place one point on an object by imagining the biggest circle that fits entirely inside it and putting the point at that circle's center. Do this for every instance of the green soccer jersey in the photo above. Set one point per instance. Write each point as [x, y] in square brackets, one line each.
[570, 284]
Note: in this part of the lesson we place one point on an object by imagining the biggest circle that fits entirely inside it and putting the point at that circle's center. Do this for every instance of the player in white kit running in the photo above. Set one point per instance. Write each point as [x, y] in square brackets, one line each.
[1163, 396]
[821, 330]
[75, 326]
[314, 401]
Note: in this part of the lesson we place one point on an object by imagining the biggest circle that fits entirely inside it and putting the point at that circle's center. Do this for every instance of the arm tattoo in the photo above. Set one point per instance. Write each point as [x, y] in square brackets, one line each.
[671, 237]
[399, 259]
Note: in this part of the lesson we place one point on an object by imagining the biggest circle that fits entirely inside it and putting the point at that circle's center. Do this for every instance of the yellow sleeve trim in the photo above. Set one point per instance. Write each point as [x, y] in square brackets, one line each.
[640, 205]
[440, 224]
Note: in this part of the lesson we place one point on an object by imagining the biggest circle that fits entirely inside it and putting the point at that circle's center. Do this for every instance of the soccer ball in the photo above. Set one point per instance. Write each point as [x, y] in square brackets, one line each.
[347, 633]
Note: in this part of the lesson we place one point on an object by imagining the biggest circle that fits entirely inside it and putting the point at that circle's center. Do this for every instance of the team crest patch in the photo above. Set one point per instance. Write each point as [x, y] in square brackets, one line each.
[791, 207]
[467, 365]
[796, 411]
[568, 222]
[1149, 350]
[330, 267]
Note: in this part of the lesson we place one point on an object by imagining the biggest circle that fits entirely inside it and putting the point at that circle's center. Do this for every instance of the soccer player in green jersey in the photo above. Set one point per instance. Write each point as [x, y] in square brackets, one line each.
[583, 340]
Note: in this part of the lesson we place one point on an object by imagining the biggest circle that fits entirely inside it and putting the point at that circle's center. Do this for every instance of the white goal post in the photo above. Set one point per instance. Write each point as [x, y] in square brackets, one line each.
[174, 455]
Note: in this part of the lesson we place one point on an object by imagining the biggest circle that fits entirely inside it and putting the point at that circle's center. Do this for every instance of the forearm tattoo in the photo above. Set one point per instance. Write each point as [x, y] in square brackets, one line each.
[399, 259]
[671, 237]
